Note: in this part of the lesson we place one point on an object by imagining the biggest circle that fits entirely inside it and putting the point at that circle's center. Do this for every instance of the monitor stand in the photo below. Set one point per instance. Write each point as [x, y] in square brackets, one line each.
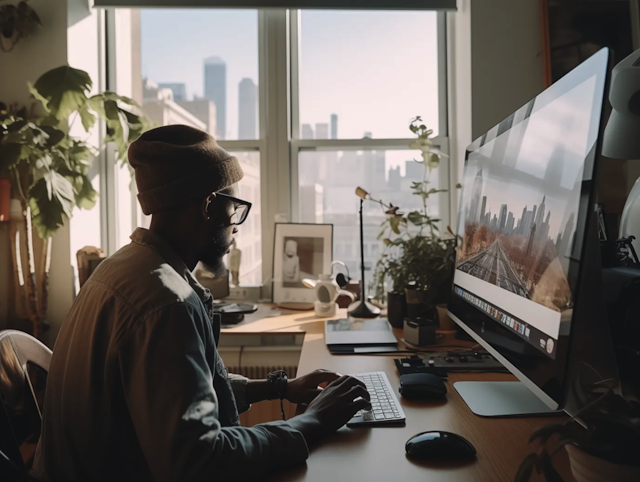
[502, 399]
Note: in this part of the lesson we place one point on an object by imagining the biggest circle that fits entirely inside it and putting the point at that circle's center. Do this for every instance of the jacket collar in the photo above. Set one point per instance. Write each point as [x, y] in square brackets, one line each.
[147, 238]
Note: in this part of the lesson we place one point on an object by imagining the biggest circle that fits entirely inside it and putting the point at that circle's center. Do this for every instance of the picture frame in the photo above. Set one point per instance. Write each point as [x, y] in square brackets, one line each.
[300, 250]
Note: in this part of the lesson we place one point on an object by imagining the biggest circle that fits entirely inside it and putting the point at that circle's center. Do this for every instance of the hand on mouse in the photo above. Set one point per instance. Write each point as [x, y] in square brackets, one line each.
[332, 408]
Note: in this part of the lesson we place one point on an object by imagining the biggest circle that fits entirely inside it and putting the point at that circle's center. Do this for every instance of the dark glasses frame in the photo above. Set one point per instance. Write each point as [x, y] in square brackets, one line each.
[237, 202]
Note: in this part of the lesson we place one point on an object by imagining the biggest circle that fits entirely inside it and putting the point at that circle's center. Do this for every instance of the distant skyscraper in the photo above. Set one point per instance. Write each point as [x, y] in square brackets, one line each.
[564, 248]
[484, 208]
[394, 178]
[322, 131]
[539, 217]
[413, 170]
[179, 90]
[307, 131]
[334, 126]
[531, 238]
[502, 222]
[215, 89]
[510, 222]
[247, 109]
[476, 195]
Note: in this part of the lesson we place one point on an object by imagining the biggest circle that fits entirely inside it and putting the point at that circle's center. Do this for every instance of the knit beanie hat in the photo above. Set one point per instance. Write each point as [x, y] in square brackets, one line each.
[176, 164]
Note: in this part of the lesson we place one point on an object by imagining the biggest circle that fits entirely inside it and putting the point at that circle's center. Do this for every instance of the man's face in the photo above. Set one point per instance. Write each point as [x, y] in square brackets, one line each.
[218, 234]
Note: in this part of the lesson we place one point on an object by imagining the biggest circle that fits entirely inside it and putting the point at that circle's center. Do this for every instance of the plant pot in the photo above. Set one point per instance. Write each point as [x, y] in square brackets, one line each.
[588, 468]
[396, 308]
[5, 198]
[446, 323]
[419, 304]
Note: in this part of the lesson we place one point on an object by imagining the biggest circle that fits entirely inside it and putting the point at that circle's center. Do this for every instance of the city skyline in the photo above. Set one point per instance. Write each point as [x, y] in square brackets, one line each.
[177, 58]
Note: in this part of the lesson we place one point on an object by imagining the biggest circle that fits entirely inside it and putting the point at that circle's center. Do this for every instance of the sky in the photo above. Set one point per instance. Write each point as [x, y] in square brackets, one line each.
[559, 134]
[375, 70]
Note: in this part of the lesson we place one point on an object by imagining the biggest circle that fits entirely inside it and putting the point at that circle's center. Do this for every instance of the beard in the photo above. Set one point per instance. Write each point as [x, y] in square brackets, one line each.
[213, 257]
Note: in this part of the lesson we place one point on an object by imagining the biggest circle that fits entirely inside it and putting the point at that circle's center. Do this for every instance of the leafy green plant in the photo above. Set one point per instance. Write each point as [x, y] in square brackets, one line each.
[17, 21]
[49, 168]
[611, 432]
[414, 249]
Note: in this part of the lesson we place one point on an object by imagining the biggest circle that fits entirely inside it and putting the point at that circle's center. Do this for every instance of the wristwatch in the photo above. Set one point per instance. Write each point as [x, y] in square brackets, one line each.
[278, 382]
[277, 385]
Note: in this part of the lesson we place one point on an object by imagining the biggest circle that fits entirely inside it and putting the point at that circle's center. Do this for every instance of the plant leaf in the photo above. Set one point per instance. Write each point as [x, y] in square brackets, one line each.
[85, 195]
[52, 201]
[416, 218]
[526, 469]
[55, 136]
[87, 117]
[62, 90]
[395, 223]
[10, 155]
[547, 431]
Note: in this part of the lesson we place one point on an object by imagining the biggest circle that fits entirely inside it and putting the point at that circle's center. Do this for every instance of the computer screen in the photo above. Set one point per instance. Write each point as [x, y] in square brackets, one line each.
[526, 192]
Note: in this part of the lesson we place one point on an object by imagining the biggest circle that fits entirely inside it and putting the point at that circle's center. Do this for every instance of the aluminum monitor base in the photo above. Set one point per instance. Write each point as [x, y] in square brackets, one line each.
[502, 399]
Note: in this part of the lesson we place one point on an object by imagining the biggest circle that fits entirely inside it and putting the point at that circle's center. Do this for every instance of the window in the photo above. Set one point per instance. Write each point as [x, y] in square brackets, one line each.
[386, 174]
[313, 103]
[365, 74]
[200, 67]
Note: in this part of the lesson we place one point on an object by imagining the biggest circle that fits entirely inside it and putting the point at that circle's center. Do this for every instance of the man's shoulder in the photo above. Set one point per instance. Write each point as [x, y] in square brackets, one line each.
[141, 278]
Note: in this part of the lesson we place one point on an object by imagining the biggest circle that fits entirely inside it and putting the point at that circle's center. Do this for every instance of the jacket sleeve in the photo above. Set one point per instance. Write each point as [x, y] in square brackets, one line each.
[168, 388]
[239, 387]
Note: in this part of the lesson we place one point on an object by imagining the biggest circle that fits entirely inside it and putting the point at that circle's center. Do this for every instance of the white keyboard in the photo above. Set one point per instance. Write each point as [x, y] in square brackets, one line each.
[385, 408]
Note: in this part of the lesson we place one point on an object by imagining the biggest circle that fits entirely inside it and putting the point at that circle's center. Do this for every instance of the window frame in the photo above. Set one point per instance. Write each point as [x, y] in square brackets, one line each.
[279, 144]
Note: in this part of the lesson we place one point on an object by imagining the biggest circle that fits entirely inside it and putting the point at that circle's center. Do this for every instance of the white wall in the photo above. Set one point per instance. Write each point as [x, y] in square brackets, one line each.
[495, 67]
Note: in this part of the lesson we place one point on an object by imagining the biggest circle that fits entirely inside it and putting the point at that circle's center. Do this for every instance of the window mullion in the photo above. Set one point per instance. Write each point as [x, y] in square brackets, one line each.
[275, 102]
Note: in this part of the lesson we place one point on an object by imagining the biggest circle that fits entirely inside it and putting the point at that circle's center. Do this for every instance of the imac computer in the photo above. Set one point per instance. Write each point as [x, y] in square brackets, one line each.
[527, 273]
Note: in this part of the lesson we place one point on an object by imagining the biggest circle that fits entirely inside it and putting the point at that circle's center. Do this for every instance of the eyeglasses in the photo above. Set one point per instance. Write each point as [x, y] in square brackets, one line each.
[241, 209]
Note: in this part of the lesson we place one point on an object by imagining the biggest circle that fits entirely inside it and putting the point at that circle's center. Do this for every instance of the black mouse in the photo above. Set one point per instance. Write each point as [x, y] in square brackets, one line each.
[422, 386]
[439, 444]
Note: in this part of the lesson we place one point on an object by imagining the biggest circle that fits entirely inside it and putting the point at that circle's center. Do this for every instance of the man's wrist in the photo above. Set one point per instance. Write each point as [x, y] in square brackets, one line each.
[278, 382]
[308, 425]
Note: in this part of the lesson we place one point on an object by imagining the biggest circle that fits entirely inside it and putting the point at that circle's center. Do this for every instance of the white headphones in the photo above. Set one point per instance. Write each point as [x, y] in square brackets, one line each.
[341, 278]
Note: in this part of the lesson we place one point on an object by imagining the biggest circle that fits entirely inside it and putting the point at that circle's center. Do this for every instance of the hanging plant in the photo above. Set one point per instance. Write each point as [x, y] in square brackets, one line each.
[17, 21]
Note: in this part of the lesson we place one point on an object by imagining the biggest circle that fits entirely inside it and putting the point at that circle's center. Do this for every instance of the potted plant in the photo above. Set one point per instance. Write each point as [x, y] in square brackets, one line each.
[48, 167]
[414, 249]
[604, 448]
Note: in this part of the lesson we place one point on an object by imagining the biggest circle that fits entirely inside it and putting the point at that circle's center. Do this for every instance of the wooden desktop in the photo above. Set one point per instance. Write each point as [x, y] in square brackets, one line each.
[378, 454]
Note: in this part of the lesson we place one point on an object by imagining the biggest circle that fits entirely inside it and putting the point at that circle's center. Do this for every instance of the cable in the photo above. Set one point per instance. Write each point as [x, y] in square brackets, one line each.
[240, 357]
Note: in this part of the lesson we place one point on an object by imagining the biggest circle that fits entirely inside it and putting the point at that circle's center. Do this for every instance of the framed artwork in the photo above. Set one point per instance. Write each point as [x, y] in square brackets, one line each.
[300, 251]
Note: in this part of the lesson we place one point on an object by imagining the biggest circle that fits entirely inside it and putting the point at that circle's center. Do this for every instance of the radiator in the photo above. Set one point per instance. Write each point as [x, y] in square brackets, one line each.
[261, 372]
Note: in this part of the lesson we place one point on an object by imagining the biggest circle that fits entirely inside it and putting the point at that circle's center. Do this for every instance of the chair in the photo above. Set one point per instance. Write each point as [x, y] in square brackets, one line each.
[24, 364]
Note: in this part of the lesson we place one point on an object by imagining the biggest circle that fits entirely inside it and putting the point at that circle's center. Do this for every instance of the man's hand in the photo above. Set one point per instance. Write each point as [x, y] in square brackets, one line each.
[332, 408]
[305, 389]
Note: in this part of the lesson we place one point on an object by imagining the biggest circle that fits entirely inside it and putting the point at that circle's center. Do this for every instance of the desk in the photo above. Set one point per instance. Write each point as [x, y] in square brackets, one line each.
[377, 454]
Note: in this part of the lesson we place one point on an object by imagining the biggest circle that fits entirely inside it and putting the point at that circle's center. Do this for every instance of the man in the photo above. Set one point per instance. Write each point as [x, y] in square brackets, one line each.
[136, 388]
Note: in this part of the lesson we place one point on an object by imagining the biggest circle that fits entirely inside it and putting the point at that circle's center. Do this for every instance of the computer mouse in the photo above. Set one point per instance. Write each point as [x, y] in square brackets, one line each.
[422, 386]
[439, 444]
